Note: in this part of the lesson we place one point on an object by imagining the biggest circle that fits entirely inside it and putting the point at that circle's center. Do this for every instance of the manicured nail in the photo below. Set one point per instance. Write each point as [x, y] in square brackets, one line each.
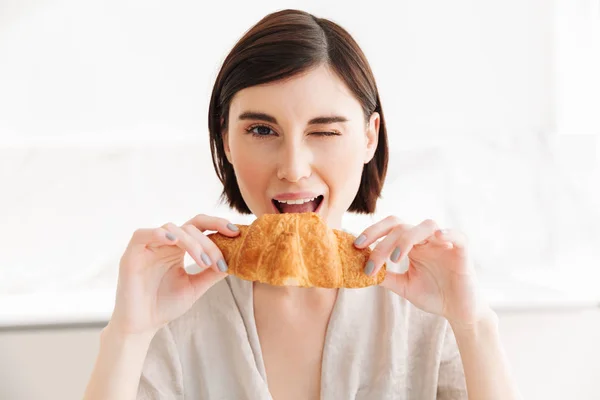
[395, 254]
[360, 240]
[232, 227]
[206, 259]
[222, 265]
[370, 267]
[170, 236]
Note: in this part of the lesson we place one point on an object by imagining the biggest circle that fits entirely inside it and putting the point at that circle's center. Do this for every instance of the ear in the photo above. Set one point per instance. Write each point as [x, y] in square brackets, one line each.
[372, 136]
[225, 136]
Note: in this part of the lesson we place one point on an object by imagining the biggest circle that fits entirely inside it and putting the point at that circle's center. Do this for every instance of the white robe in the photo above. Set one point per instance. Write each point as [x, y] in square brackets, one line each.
[377, 346]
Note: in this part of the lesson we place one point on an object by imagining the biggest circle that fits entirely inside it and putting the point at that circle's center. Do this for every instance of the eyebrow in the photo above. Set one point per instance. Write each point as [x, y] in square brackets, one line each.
[269, 118]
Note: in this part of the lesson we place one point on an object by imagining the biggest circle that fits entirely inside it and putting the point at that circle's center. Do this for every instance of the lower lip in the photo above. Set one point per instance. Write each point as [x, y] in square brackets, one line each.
[316, 211]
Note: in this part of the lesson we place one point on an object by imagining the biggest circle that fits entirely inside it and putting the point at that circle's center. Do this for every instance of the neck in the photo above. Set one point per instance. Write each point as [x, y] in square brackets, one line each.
[294, 293]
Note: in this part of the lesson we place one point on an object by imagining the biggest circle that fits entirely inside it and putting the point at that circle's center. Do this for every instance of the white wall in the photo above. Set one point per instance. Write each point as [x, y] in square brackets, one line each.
[467, 89]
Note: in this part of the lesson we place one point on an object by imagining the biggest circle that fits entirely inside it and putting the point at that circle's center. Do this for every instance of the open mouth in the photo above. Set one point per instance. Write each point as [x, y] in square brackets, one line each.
[298, 206]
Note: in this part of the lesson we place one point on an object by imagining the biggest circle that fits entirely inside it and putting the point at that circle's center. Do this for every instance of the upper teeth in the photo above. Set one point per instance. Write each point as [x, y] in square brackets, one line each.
[299, 201]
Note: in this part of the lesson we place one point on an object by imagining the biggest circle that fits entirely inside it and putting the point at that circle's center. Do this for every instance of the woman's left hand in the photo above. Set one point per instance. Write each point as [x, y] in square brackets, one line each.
[440, 278]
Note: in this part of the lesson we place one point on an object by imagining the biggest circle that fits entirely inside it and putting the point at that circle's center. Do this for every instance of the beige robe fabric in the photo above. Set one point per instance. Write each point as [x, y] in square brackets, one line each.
[377, 346]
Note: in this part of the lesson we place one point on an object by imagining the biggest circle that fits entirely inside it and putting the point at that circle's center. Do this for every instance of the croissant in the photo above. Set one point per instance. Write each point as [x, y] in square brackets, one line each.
[296, 249]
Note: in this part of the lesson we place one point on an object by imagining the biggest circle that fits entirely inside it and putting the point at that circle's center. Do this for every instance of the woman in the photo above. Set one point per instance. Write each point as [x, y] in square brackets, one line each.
[295, 115]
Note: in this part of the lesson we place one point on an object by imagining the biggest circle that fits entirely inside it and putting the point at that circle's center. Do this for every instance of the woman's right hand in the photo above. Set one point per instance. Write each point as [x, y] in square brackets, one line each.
[153, 287]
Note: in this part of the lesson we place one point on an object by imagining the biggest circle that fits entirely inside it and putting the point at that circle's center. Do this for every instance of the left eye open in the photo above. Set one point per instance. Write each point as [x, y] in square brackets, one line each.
[260, 130]
[263, 131]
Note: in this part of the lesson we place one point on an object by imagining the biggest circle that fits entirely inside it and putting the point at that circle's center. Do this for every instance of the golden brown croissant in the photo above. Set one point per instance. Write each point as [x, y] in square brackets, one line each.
[296, 249]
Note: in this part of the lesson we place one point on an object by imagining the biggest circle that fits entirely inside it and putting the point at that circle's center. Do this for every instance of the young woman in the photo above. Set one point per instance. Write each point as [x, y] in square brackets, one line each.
[295, 115]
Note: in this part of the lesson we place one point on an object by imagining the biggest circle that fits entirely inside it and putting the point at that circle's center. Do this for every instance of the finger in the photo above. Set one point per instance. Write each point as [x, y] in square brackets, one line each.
[384, 249]
[395, 282]
[151, 237]
[208, 223]
[458, 239]
[398, 244]
[204, 280]
[211, 255]
[377, 230]
[186, 242]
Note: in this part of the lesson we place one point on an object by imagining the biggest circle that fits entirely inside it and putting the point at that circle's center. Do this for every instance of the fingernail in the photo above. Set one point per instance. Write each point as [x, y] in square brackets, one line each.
[395, 254]
[222, 265]
[370, 267]
[232, 227]
[206, 259]
[360, 240]
[170, 236]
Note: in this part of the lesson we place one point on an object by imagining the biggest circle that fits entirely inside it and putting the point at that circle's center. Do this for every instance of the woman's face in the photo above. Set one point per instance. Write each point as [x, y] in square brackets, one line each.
[300, 145]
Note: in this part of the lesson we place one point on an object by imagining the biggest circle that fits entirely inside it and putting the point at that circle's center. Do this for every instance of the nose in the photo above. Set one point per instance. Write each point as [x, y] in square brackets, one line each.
[295, 161]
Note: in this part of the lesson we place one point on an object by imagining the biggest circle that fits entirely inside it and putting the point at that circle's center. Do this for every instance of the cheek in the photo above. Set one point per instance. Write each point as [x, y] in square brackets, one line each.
[342, 165]
[250, 167]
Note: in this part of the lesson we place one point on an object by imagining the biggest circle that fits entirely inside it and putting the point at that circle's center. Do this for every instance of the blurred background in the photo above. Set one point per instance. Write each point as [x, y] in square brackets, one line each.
[494, 127]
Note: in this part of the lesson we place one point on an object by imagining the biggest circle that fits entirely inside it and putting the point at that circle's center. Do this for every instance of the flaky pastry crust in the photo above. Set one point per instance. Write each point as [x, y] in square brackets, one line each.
[296, 249]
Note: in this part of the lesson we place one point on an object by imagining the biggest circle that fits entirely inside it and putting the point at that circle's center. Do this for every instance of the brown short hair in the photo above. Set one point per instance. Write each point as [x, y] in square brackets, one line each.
[279, 46]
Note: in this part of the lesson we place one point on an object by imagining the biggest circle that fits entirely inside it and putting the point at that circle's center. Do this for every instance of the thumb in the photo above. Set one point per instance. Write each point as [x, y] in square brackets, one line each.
[396, 282]
[204, 280]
